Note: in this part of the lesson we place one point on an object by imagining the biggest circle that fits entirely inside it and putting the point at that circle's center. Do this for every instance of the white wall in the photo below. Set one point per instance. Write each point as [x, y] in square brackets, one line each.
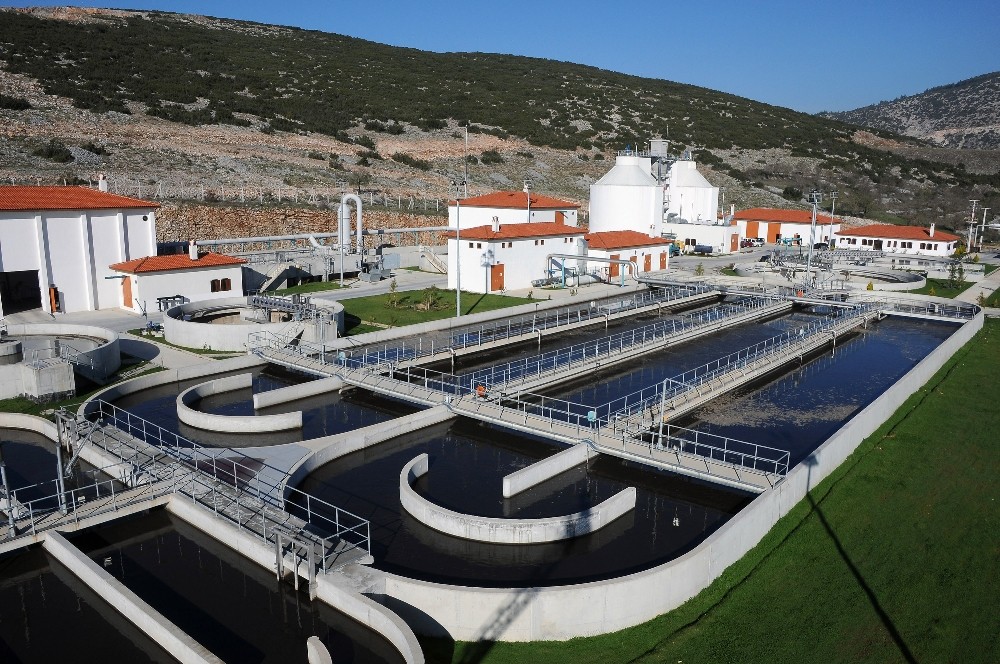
[196, 285]
[73, 249]
[932, 247]
[626, 254]
[479, 216]
[718, 237]
[523, 262]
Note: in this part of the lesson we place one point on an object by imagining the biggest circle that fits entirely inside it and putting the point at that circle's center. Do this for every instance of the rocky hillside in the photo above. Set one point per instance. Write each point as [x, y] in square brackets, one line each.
[960, 115]
[224, 118]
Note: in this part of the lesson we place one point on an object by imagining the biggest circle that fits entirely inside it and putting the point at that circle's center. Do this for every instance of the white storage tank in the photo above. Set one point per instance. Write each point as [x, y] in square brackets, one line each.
[627, 198]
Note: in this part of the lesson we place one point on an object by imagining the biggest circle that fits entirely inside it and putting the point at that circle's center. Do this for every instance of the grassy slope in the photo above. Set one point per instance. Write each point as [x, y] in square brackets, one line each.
[892, 558]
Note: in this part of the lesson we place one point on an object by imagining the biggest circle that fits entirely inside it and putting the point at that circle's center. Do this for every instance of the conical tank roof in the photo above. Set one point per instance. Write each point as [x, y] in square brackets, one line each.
[628, 171]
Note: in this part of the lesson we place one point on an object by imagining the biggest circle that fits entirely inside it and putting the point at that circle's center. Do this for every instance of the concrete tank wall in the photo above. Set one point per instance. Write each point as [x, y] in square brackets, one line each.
[506, 531]
[230, 423]
[232, 337]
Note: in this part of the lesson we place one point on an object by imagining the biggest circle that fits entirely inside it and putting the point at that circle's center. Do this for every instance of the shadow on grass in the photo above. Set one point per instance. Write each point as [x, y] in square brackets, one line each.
[475, 304]
[883, 616]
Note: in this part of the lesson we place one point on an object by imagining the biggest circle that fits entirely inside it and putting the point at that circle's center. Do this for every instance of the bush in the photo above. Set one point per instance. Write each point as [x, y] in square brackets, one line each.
[491, 157]
[792, 193]
[55, 151]
[14, 103]
[90, 146]
[410, 160]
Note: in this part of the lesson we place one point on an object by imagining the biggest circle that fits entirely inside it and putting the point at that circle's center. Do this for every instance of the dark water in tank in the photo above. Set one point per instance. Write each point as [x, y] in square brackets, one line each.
[30, 460]
[48, 615]
[231, 606]
[797, 408]
[323, 415]
[796, 411]
[468, 461]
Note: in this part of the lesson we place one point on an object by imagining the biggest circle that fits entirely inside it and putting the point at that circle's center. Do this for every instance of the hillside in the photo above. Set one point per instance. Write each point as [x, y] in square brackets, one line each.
[191, 109]
[961, 115]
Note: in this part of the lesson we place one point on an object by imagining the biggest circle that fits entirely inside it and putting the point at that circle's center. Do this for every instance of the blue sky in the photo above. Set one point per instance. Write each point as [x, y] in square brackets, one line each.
[805, 55]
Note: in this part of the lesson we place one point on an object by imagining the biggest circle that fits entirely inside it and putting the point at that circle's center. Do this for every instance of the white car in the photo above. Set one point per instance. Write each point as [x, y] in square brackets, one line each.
[757, 241]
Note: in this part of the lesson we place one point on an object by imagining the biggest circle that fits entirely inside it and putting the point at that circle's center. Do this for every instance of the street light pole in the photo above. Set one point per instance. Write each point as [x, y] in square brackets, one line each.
[527, 192]
[458, 248]
[815, 197]
[833, 206]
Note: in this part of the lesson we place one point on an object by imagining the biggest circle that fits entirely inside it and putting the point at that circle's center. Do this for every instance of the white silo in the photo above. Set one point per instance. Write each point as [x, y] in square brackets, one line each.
[627, 198]
[690, 197]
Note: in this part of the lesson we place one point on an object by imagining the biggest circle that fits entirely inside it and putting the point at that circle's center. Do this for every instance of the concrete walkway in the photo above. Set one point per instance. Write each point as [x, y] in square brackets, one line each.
[989, 284]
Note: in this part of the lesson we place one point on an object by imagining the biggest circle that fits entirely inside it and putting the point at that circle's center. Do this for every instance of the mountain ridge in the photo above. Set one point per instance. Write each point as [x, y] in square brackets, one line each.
[188, 103]
[964, 114]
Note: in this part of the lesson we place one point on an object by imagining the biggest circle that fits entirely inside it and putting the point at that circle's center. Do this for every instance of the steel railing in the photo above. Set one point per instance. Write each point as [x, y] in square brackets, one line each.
[248, 477]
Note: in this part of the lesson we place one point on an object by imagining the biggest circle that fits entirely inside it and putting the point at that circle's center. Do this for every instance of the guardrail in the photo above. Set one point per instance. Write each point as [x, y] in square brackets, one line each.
[520, 326]
[246, 475]
[518, 371]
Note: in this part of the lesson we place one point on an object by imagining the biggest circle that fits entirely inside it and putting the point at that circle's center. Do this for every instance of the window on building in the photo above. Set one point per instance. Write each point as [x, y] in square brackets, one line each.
[471, 246]
[227, 284]
[216, 285]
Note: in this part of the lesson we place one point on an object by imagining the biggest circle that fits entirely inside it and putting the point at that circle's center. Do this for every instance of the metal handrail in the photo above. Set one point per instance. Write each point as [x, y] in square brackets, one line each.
[231, 470]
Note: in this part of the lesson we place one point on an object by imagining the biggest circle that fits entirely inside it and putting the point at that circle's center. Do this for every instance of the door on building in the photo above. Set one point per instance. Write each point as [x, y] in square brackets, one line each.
[496, 277]
[613, 270]
[635, 262]
[648, 264]
[127, 292]
[877, 245]
[663, 260]
[773, 233]
[734, 242]
[753, 229]
[19, 291]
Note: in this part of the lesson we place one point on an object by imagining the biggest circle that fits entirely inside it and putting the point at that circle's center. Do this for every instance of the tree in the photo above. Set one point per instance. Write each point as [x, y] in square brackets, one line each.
[699, 270]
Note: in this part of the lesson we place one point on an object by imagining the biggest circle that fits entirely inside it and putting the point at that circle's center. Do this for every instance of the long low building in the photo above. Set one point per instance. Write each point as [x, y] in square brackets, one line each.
[913, 240]
[775, 225]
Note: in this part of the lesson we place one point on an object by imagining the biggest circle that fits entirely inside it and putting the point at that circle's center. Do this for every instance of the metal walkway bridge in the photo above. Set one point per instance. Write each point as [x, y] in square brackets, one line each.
[145, 465]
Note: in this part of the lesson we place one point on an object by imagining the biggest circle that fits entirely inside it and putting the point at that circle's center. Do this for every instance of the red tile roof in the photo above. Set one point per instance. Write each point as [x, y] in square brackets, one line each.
[20, 197]
[623, 240]
[784, 216]
[175, 262]
[517, 231]
[893, 232]
[518, 201]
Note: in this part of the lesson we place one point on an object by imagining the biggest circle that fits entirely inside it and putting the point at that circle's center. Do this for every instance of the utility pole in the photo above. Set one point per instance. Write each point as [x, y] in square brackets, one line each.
[465, 163]
[972, 223]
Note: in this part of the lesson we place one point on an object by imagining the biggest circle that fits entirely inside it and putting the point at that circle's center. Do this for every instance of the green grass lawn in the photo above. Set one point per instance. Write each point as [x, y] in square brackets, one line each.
[412, 307]
[941, 288]
[892, 558]
[987, 267]
[213, 354]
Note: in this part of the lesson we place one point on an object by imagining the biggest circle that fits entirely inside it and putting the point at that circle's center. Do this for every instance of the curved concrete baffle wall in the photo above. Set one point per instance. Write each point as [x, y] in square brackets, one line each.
[230, 423]
[506, 531]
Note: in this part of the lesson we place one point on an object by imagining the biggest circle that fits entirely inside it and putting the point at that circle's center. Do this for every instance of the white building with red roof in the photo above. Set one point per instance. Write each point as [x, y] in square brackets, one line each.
[511, 207]
[774, 225]
[56, 244]
[152, 283]
[497, 257]
[648, 253]
[892, 239]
